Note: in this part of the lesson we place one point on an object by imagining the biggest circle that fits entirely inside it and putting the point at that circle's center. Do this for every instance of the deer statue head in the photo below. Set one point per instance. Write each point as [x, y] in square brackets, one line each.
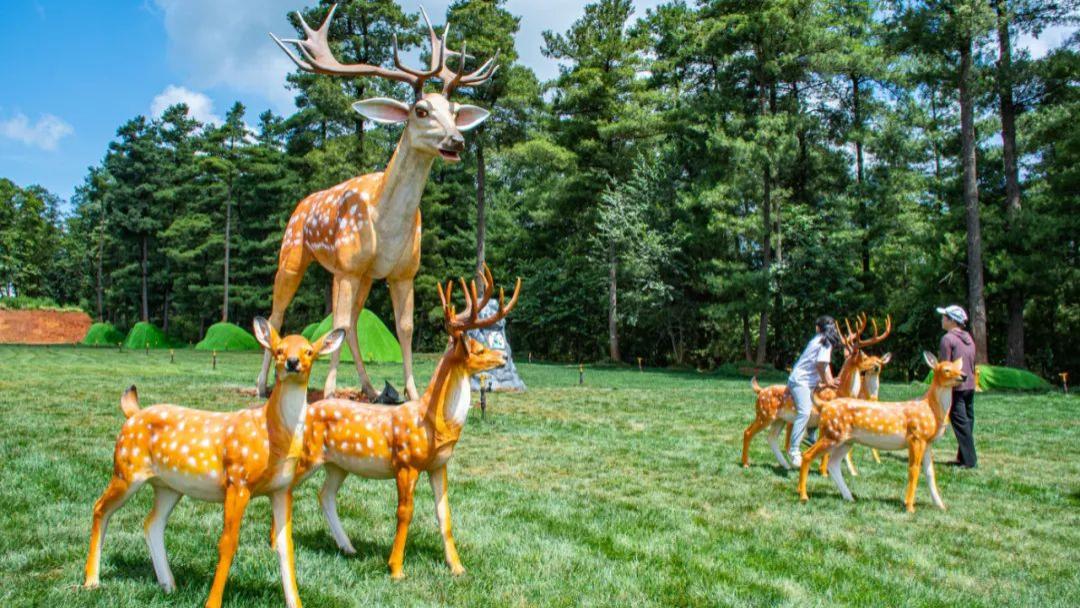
[433, 123]
[855, 345]
[293, 355]
[477, 357]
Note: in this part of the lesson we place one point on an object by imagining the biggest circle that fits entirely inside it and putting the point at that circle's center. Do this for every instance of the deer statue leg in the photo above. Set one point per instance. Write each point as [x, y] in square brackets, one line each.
[401, 293]
[352, 336]
[335, 475]
[931, 479]
[821, 445]
[748, 435]
[154, 530]
[874, 453]
[774, 434]
[346, 289]
[838, 454]
[236, 501]
[291, 267]
[281, 504]
[406, 484]
[787, 436]
[114, 497]
[442, 516]
[916, 449]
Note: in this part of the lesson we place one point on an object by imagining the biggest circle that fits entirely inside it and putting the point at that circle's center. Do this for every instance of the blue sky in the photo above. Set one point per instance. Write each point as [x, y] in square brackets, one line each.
[76, 70]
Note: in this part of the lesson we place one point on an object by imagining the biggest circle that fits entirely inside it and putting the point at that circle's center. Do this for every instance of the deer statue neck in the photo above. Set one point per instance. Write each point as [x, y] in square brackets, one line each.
[285, 411]
[448, 397]
[940, 400]
[849, 379]
[403, 183]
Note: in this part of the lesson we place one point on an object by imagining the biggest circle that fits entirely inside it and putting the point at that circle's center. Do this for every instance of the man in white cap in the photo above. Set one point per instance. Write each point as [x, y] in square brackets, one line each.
[958, 344]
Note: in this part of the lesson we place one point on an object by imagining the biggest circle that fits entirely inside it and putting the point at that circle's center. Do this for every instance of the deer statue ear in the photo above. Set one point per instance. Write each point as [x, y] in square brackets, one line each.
[382, 110]
[470, 117]
[330, 342]
[886, 358]
[265, 333]
[929, 357]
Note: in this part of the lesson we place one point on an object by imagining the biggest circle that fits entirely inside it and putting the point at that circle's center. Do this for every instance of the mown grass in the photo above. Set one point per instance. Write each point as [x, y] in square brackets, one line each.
[624, 492]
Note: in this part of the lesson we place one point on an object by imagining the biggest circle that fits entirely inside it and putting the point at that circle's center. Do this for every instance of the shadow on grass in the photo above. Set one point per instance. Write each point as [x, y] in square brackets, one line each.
[190, 580]
[775, 468]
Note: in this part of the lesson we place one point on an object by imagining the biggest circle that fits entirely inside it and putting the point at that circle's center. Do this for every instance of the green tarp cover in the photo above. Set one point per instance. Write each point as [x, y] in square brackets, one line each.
[143, 334]
[377, 344]
[1000, 378]
[227, 336]
[103, 334]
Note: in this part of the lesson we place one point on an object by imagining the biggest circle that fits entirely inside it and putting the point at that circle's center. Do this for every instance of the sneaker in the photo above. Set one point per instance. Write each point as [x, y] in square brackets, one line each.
[796, 459]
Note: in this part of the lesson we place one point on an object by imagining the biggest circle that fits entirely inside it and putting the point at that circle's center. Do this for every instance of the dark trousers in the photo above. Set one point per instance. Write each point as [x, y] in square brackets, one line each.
[963, 424]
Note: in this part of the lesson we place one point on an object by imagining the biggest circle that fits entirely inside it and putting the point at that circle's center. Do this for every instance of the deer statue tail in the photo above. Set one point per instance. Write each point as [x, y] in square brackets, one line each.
[129, 403]
[818, 401]
[754, 385]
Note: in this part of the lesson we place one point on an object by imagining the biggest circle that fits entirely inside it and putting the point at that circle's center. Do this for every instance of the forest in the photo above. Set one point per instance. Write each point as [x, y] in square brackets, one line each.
[695, 187]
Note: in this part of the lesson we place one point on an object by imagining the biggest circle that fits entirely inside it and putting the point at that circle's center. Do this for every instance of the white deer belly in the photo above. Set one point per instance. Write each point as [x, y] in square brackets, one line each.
[203, 487]
[371, 467]
[881, 441]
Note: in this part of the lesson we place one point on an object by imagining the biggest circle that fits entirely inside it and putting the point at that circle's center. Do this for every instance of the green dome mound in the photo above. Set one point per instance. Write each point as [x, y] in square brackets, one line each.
[103, 334]
[143, 334]
[1000, 378]
[377, 344]
[227, 336]
[309, 331]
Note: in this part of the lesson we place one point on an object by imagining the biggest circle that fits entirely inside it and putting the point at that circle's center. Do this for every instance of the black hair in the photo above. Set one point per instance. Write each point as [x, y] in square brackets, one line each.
[826, 325]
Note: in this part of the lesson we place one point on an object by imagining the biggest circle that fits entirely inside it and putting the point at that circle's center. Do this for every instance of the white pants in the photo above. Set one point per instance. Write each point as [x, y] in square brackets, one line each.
[804, 405]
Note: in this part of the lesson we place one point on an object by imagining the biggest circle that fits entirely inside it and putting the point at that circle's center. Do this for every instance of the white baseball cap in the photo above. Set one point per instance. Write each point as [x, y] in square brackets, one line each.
[954, 312]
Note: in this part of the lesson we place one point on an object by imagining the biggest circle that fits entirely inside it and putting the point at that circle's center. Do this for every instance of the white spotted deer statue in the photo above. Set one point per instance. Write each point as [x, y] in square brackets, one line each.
[418, 436]
[368, 227]
[227, 457]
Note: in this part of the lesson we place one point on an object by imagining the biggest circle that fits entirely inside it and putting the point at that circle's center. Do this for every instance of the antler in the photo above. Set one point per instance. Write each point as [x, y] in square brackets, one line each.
[877, 337]
[456, 323]
[320, 59]
[452, 80]
[854, 340]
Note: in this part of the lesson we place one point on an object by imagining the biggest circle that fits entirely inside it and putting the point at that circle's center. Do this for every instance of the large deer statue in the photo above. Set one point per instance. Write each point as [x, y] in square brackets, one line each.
[399, 443]
[368, 227]
[775, 407]
[914, 425]
[225, 457]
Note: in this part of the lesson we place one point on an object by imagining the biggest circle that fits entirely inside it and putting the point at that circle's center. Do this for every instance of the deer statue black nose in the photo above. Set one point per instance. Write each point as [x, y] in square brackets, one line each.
[457, 142]
[292, 364]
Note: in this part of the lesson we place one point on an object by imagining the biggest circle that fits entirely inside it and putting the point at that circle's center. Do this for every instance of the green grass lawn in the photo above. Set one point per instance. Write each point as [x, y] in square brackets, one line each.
[624, 492]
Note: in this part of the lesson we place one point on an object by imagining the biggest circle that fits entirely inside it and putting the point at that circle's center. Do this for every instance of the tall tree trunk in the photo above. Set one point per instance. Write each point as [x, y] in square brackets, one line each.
[613, 313]
[1014, 354]
[747, 352]
[860, 193]
[145, 299]
[228, 235]
[766, 237]
[766, 263]
[165, 312]
[481, 217]
[976, 300]
[99, 279]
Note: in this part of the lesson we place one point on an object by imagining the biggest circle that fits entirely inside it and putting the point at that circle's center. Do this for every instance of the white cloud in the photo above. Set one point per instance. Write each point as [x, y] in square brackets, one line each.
[1048, 40]
[225, 44]
[200, 107]
[44, 134]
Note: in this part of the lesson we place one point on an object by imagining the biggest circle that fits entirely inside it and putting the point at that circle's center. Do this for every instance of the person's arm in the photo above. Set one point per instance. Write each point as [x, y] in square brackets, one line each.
[824, 370]
[945, 349]
[825, 373]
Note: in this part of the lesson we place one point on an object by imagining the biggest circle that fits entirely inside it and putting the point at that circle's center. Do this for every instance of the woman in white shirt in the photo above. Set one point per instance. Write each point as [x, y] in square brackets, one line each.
[810, 372]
